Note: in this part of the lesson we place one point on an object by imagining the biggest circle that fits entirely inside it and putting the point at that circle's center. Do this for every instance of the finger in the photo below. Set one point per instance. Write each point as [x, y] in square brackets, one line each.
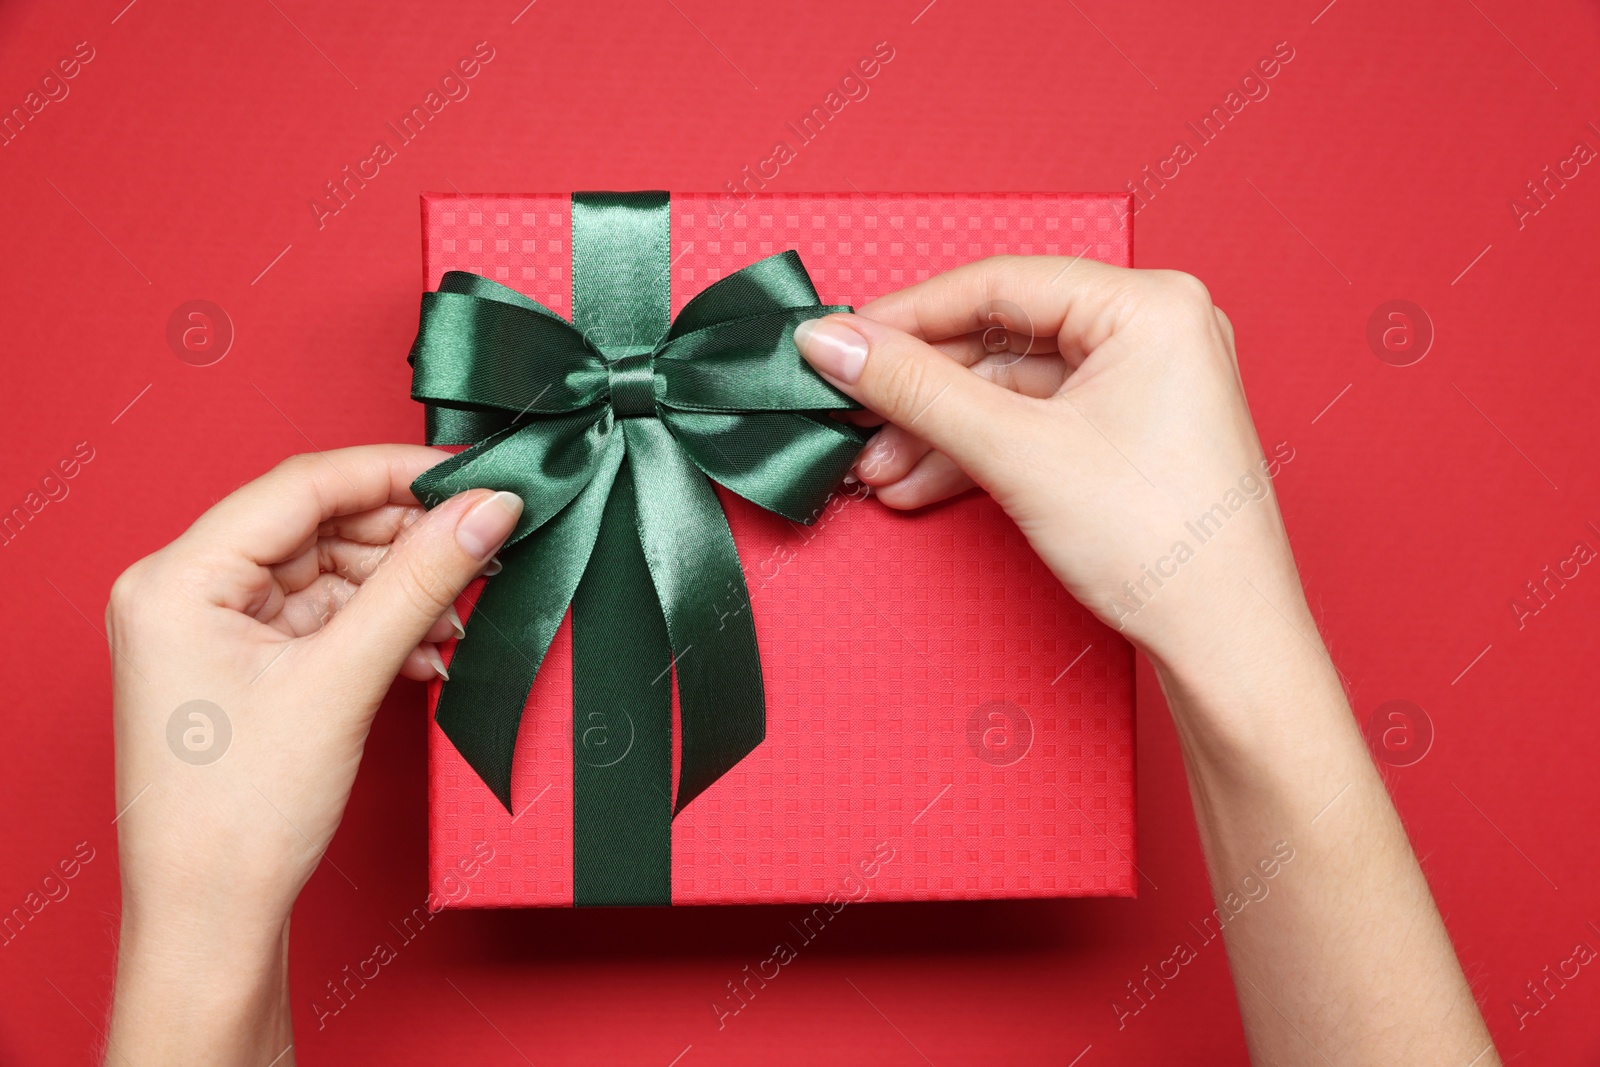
[306, 603]
[307, 610]
[1030, 366]
[378, 526]
[352, 559]
[934, 479]
[329, 555]
[1036, 376]
[1079, 301]
[996, 357]
[969, 349]
[294, 573]
[912, 385]
[265, 521]
[424, 664]
[446, 628]
[890, 455]
[995, 348]
[398, 606]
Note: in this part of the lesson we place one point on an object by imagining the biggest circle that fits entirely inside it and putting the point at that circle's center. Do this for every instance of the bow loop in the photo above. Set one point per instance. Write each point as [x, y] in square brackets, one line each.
[547, 463]
[748, 363]
[776, 283]
[470, 355]
[782, 461]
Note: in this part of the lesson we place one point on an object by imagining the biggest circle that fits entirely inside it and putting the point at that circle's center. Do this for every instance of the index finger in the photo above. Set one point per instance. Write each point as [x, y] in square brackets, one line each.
[270, 518]
[1077, 300]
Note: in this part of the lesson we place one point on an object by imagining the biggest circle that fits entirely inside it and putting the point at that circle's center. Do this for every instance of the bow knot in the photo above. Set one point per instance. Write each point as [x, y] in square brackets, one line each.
[633, 385]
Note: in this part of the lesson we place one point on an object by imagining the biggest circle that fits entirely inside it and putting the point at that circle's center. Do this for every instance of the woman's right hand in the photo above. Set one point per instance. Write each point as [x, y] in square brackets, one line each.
[1102, 408]
[1106, 415]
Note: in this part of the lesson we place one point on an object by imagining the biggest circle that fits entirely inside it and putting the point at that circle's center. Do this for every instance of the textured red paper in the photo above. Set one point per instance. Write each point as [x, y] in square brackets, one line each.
[885, 638]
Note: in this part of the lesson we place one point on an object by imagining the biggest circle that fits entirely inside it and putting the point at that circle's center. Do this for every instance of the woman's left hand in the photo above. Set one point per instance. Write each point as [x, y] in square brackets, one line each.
[249, 657]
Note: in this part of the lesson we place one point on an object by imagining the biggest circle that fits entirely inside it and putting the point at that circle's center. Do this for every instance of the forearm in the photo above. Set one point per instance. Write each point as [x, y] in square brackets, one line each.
[184, 997]
[1336, 946]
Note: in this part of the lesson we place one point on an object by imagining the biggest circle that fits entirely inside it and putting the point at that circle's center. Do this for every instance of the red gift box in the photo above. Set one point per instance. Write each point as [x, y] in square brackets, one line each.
[943, 720]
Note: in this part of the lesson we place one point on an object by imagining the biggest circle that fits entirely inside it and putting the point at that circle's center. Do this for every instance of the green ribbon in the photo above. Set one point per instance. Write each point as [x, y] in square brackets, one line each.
[612, 428]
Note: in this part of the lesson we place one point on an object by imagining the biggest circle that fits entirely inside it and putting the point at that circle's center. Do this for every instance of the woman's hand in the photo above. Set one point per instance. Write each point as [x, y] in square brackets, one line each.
[249, 657]
[1102, 408]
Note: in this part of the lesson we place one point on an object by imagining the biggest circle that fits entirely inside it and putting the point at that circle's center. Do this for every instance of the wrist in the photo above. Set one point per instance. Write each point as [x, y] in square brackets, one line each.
[1249, 681]
[1267, 739]
[200, 992]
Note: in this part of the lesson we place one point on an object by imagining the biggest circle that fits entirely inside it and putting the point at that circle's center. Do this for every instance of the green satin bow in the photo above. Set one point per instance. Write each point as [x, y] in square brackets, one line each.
[611, 428]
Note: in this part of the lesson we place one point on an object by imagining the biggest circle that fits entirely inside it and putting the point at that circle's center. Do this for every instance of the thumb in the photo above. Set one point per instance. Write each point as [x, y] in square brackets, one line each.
[914, 386]
[423, 573]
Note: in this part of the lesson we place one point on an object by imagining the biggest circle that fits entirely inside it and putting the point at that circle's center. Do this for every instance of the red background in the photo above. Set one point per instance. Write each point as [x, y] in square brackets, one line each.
[1381, 166]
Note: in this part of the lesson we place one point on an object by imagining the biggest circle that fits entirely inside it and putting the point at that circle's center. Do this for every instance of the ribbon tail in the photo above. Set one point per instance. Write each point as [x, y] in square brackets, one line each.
[621, 719]
[511, 627]
[695, 568]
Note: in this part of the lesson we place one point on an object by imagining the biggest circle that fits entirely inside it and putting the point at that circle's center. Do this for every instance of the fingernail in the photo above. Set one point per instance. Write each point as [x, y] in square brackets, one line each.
[872, 457]
[482, 529]
[435, 661]
[832, 348]
[876, 457]
[455, 621]
[494, 567]
[851, 479]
